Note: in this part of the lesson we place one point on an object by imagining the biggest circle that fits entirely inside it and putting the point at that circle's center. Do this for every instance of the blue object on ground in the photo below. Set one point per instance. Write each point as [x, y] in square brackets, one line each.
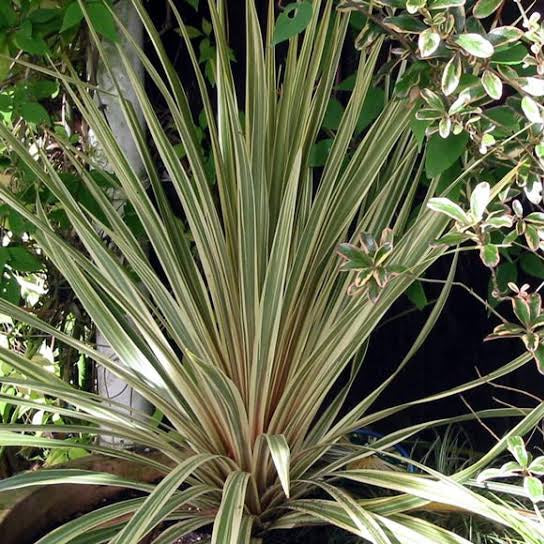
[363, 431]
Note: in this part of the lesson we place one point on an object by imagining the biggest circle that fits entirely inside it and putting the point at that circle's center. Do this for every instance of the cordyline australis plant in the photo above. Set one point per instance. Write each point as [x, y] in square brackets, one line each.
[239, 338]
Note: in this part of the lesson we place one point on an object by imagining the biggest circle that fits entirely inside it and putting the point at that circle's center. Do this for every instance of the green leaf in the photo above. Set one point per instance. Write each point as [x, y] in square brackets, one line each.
[522, 310]
[452, 238]
[485, 8]
[10, 289]
[452, 75]
[4, 258]
[72, 16]
[443, 152]
[492, 84]
[372, 107]
[292, 21]
[475, 45]
[538, 355]
[333, 114]
[22, 260]
[449, 208]
[418, 128]
[42, 16]
[193, 3]
[532, 264]
[102, 20]
[506, 119]
[534, 488]
[5, 61]
[355, 256]
[490, 255]
[347, 84]
[44, 88]
[535, 306]
[33, 112]
[8, 16]
[417, 296]
[319, 152]
[30, 44]
[428, 42]
[206, 27]
[513, 55]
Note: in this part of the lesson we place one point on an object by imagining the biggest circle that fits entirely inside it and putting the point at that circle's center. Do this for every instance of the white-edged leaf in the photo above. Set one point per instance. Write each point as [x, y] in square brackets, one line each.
[485, 8]
[228, 520]
[479, 200]
[449, 208]
[452, 75]
[281, 455]
[413, 6]
[69, 476]
[504, 35]
[492, 84]
[428, 42]
[537, 465]
[531, 110]
[534, 488]
[489, 253]
[516, 445]
[533, 85]
[476, 45]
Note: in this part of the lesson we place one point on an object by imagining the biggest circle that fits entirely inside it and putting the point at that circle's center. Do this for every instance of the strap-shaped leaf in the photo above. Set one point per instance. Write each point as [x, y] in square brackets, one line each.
[69, 476]
[180, 529]
[11, 438]
[146, 516]
[108, 514]
[281, 455]
[363, 520]
[228, 521]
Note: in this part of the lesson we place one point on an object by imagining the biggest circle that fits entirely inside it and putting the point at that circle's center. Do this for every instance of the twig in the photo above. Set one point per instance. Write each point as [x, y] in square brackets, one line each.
[479, 419]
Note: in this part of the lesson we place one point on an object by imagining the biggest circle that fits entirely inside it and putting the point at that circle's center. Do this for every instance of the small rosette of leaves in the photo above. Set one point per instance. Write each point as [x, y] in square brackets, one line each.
[527, 308]
[368, 260]
[476, 224]
[524, 467]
